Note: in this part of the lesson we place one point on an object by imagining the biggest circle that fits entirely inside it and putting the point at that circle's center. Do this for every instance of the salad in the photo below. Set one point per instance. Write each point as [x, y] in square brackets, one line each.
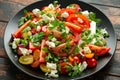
[59, 41]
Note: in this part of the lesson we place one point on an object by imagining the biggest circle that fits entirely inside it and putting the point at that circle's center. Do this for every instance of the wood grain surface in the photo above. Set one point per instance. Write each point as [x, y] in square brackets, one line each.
[8, 8]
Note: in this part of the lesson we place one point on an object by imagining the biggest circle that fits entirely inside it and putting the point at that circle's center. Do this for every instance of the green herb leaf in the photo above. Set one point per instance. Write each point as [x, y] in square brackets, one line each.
[25, 42]
[45, 49]
[53, 24]
[25, 11]
[26, 29]
[92, 17]
[37, 37]
[21, 21]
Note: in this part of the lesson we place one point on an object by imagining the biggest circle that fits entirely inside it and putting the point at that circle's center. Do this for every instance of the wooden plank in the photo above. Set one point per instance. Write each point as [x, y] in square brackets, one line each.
[113, 3]
[8, 9]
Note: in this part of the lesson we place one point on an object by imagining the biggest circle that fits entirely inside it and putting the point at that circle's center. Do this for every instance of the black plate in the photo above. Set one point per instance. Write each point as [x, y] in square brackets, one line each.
[13, 26]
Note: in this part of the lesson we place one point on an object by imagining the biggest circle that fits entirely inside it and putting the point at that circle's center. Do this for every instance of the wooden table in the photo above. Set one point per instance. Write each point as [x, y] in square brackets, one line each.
[111, 8]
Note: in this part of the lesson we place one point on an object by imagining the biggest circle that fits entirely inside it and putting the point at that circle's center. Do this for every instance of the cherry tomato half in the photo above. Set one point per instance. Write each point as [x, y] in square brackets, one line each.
[76, 59]
[99, 51]
[79, 19]
[74, 6]
[91, 62]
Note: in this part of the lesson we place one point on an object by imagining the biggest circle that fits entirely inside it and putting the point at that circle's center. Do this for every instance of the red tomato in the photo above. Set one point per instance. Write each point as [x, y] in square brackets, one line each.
[74, 6]
[33, 30]
[63, 70]
[77, 37]
[73, 27]
[76, 59]
[91, 62]
[99, 51]
[35, 64]
[68, 10]
[31, 46]
[79, 20]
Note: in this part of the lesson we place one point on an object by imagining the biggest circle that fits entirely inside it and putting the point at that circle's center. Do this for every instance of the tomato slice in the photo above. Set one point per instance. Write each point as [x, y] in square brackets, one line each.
[44, 68]
[35, 64]
[99, 51]
[73, 27]
[76, 7]
[63, 69]
[68, 10]
[79, 19]
[31, 46]
[36, 54]
[26, 60]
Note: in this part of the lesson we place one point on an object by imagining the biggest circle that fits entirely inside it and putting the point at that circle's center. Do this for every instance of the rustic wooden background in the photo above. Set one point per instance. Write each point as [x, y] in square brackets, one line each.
[8, 8]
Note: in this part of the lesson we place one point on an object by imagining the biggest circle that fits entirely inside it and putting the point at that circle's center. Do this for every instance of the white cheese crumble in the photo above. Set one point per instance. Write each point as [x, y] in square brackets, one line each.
[51, 65]
[53, 69]
[53, 39]
[66, 30]
[36, 12]
[64, 15]
[38, 28]
[80, 20]
[51, 6]
[93, 27]
[86, 13]
[50, 44]
[83, 66]
[87, 50]
[104, 31]
[14, 46]
[53, 73]
[46, 18]
[16, 41]
[24, 51]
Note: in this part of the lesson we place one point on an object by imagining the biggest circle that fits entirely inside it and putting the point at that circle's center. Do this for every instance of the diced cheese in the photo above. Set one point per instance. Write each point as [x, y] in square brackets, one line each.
[64, 15]
[53, 39]
[14, 46]
[36, 12]
[53, 73]
[53, 69]
[93, 27]
[38, 28]
[80, 20]
[51, 65]
[16, 41]
[51, 6]
[50, 44]
[86, 13]
[66, 30]
[83, 66]
[87, 50]
[104, 31]
[46, 18]
[24, 51]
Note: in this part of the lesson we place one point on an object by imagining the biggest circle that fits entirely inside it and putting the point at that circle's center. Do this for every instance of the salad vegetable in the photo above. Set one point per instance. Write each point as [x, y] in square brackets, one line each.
[59, 40]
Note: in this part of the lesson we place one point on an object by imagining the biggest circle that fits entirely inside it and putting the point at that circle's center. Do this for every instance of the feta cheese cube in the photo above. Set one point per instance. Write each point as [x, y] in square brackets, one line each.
[51, 6]
[51, 65]
[64, 15]
[80, 20]
[86, 13]
[83, 66]
[24, 51]
[87, 50]
[50, 44]
[36, 12]
[93, 27]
